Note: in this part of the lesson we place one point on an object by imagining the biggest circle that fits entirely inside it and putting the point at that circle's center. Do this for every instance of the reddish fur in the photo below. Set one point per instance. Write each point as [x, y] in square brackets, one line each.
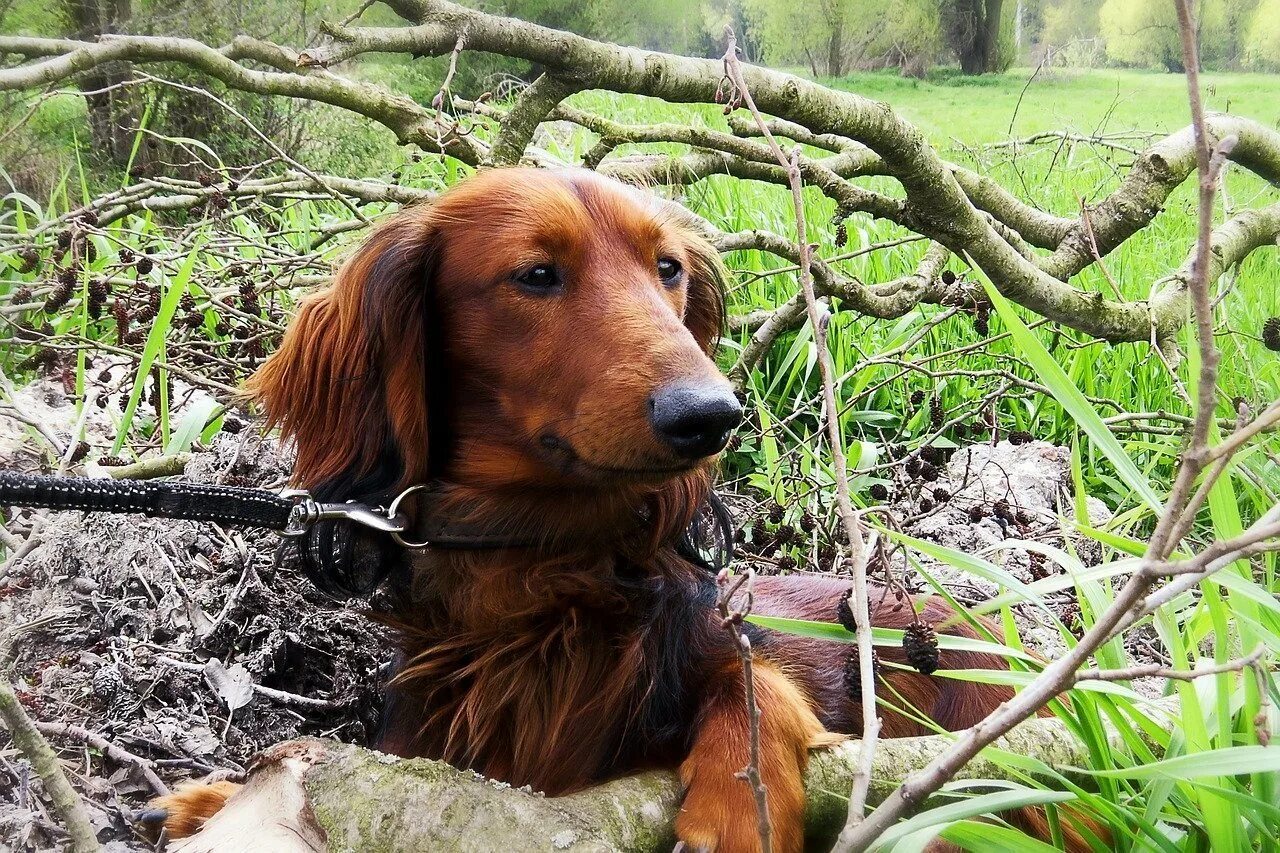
[718, 808]
[598, 653]
[191, 804]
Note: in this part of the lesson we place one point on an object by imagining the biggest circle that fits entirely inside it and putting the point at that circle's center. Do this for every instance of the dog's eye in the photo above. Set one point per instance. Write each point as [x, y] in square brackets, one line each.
[539, 279]
[669, 270]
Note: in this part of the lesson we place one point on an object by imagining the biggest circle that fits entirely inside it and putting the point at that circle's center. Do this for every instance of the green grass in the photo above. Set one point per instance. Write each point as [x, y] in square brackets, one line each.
[977, 110]
[1199, 799]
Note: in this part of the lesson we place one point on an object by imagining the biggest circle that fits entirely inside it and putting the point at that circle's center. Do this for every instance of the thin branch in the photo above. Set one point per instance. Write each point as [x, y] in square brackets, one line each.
[64, 799]
[1160, 671]
[731, 618]
[844, 503]
[110, 750]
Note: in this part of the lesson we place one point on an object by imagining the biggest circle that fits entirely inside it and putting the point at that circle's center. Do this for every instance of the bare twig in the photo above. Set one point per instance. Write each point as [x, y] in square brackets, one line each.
[732, 617]
[844, 503]
[26, 736]
[1159, 671]
[284, 697]
[109, 749]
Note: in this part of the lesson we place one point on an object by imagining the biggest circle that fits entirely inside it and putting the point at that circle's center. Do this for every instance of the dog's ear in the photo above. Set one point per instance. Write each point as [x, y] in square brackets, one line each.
[348, 384]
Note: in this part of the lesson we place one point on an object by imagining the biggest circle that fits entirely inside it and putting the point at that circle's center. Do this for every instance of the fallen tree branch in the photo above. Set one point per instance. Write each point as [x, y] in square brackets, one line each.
[363, 800]
[961, 211]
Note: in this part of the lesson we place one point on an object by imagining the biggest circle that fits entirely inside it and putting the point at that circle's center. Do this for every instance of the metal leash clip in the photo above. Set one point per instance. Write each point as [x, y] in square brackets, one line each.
[307, 511]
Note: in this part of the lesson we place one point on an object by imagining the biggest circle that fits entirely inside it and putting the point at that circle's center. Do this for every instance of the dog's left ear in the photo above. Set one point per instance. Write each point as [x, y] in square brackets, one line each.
[349, 382]
[708, 282]
[349, 386]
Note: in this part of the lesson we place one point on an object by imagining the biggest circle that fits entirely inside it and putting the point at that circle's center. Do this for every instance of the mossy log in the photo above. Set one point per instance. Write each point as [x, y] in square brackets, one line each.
[312, 794]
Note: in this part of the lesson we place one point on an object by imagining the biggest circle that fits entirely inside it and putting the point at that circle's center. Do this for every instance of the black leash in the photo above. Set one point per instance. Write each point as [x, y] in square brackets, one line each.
[192, 501]
[292, 512]
[328, 551]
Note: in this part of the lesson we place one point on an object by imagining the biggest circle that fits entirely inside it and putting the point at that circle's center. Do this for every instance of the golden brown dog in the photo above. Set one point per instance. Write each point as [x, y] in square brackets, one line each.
[538, 342]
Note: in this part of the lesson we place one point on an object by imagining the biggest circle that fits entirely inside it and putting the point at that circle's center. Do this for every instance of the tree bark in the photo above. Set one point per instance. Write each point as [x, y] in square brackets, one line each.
[112, 108]
[977, 30]
[835, 46]
[307, 794]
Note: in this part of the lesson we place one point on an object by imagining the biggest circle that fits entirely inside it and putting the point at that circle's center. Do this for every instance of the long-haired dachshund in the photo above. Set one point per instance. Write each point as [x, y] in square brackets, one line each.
[538, 342]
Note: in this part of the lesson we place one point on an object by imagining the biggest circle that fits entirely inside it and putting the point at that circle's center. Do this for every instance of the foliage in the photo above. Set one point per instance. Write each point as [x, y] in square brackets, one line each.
[1144, 33]
[835, 35]
[1069, 21]
[1263, 36]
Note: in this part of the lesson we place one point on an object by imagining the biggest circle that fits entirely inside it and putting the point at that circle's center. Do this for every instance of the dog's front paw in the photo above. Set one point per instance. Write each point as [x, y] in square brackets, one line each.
[721, 817]
[183, 812]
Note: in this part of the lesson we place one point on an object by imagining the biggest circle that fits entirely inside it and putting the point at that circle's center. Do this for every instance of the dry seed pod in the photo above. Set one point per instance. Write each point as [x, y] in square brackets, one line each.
[1271, 334]
[853, 673]
[97, 297]
[30, 259]
[936, 417]
[844, 612]
[57, 298]
[920, 644]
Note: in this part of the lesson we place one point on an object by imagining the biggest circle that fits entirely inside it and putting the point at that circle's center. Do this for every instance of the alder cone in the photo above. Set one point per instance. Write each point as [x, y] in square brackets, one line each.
[920, 644]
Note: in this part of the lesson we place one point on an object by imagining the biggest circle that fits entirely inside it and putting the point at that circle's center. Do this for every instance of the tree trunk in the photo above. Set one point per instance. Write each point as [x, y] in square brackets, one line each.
[112, 108]
[310, 795]
[979, 36]
[835, 47]
[991, 35]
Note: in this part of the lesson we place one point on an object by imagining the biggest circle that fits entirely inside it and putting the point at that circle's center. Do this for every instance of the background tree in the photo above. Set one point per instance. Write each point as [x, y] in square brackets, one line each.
[113, 109]
[844, 35]
[973, 30]
[1262, 36]
[1069, 21]
[1144, 33]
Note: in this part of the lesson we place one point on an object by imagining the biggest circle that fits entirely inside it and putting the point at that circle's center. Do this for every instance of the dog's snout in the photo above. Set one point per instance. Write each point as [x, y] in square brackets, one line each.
[694, 420]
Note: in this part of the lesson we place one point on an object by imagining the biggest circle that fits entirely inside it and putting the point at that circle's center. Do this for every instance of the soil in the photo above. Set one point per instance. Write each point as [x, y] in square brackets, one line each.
[151, 632]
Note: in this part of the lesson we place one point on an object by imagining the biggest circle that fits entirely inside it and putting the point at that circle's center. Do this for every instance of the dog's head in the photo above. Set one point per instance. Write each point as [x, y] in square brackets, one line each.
[528, 330]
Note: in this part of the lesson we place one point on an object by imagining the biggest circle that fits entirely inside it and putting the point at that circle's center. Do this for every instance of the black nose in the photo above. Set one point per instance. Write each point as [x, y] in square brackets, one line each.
[694, 420]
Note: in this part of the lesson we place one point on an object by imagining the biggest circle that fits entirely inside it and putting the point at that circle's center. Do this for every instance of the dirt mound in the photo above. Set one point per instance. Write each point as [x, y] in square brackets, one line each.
[182, 643]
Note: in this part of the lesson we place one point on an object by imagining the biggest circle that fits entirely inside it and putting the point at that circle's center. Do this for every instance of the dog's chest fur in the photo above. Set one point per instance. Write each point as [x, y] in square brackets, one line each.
[587, 677]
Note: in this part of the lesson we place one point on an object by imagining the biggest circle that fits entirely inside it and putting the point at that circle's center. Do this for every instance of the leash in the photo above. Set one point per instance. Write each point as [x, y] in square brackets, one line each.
[293, 512]
[330, 552]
